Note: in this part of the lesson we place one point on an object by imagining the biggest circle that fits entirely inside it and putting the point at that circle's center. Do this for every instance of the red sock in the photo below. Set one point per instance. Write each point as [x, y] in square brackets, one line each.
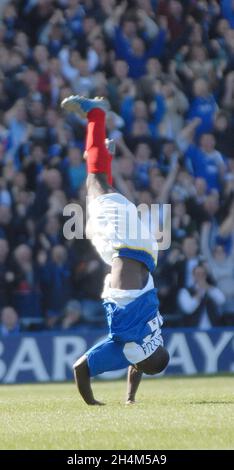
[98, 157]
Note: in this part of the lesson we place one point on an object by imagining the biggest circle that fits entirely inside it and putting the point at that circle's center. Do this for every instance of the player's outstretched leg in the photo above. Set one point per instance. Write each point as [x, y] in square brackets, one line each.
[98, 157]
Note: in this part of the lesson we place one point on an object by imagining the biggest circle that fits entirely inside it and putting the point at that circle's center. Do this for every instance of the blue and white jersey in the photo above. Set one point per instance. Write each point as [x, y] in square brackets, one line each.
[136, 320]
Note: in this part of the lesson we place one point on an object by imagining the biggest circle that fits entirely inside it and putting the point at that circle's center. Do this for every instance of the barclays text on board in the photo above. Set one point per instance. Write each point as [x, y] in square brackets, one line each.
[45, 357]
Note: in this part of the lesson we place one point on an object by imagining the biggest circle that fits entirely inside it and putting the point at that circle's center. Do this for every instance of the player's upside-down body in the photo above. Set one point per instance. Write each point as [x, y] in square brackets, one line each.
[130, 299]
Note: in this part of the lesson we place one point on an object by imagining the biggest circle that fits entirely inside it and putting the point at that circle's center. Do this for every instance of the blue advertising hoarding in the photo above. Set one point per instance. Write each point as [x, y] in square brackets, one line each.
[48, 356]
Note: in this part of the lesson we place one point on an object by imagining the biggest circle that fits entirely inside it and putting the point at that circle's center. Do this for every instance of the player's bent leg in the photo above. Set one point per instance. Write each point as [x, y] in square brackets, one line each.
[155, 363]
[82, 379]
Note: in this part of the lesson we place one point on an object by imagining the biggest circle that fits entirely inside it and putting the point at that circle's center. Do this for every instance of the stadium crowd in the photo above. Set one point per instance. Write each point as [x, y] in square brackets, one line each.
[167, 70]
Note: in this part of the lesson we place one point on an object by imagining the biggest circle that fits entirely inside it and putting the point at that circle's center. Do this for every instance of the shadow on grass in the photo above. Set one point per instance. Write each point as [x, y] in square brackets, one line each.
[209, 402]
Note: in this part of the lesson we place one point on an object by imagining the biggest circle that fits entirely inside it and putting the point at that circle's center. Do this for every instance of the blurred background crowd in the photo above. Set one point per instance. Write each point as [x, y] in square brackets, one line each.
[167, 70]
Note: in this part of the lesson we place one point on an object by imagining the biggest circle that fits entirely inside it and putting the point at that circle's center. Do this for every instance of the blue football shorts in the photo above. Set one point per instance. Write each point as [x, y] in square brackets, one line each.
[134, 335]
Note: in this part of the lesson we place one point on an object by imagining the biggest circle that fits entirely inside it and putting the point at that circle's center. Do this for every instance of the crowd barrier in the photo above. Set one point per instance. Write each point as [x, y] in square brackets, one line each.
[48, 356]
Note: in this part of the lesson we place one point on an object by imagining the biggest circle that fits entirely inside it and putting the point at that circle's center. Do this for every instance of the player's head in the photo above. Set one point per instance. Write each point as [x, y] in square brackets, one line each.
[156, 363]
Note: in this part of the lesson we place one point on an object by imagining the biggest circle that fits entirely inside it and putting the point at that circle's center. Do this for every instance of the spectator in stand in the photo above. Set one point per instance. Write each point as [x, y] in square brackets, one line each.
[203, 106]
[88, 274]
[202, 303]
[51, 180]
[189, 261]
[176, 105]
[174, 13]
[167, 285]
[9, 324]
[228, 11]
[221, 266]
[55, 277]
[182, 223]
[202, 161]
[223, 135]
[6, 274]
[72, 315]
[51, 233]
[228, 95]
[27, 295]
[168, 156]
[130, 47]
[74, 171]
[143, 163]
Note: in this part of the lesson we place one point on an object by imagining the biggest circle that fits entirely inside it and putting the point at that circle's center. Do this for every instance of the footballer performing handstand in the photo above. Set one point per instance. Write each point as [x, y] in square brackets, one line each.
[130, 299]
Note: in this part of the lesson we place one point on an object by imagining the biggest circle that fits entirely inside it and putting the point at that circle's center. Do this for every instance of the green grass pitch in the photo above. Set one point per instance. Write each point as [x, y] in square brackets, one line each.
[171, 413]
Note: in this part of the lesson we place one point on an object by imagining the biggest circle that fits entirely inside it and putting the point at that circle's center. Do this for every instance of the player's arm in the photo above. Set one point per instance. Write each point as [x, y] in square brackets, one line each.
[82, 378]
[133, 382]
